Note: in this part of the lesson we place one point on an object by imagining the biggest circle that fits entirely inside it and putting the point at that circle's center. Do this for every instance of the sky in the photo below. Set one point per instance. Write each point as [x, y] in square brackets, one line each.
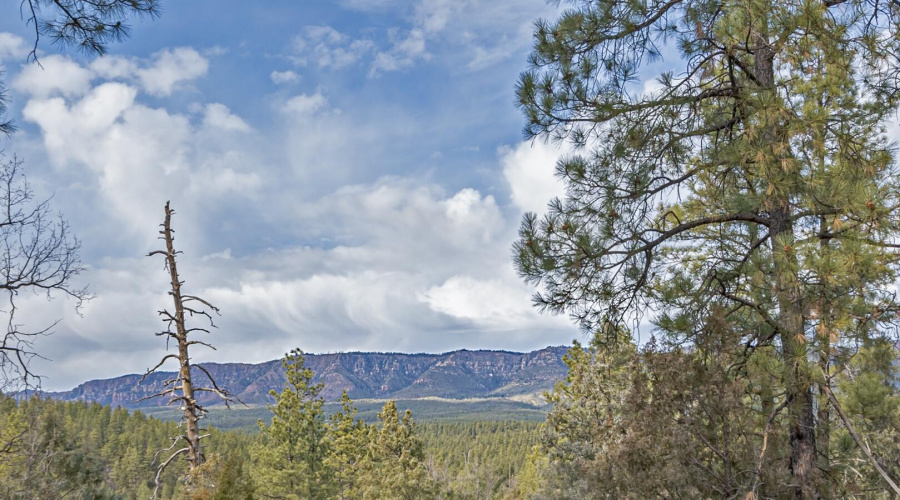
[347, 175]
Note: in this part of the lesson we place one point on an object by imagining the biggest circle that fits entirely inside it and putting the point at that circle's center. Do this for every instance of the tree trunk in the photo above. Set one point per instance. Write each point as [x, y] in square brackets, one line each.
[192, 428]
[798, 389]
[823, 415]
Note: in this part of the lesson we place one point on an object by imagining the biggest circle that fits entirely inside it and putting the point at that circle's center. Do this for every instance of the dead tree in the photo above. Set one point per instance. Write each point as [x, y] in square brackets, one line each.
[39, 255]
[180, 388]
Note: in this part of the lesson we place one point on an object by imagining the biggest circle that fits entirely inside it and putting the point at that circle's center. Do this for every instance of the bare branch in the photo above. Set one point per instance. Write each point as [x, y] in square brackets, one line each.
[153, 370]
[37, 254]
[865, 449]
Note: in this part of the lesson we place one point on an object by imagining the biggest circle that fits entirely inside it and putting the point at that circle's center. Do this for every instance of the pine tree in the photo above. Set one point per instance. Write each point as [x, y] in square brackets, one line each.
[44, 460]
[395, 466]
[289, 462]
[220, 478]
[753, 191]
[347, 442]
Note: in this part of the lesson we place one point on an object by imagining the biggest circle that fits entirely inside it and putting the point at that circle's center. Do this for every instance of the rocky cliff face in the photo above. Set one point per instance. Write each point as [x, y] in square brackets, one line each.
[457, 375]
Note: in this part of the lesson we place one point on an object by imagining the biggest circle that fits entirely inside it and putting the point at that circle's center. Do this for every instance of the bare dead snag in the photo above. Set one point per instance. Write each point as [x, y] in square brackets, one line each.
[181, 388]
[39, 255]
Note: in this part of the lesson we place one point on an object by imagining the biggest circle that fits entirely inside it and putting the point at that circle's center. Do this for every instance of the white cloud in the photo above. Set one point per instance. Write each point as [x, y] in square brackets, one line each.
[215, 51]
[529, 169]
[434, 15]
[284, 77]
[137, 157]
[488, 303]
[215, 178]
[326, 47]
[137, 153]
[652, 87]
[170, 68]
[160, 75]
[114, 67]
[13, 47]
[59, 75]
[56, 75]
[425, 270]
[471, 33]
[478, 34]
[370, 5]
[218, 116]
[405, 51]
[325, 246]
[306, 104]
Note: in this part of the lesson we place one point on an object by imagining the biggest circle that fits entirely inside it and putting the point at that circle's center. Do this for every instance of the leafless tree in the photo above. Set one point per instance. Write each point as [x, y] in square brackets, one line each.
[180, 388]
[38, 254]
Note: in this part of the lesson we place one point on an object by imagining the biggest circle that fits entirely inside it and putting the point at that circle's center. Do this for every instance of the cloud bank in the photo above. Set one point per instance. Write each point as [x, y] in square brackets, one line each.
[300, 220]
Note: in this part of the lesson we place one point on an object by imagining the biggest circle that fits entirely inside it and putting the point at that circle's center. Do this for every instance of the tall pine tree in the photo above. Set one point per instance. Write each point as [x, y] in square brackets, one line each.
[347, 443]
[752, 189]
[395, 466]
[289, 462]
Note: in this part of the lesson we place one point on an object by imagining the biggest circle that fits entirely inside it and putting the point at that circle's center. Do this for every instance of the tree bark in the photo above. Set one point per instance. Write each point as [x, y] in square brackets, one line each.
[191, 414]
[798, 388]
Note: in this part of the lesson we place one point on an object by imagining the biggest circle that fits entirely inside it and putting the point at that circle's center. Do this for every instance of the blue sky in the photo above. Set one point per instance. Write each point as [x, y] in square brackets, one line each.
[347, 175]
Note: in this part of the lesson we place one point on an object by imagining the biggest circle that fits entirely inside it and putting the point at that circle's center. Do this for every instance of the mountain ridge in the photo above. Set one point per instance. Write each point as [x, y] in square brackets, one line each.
[459, 374]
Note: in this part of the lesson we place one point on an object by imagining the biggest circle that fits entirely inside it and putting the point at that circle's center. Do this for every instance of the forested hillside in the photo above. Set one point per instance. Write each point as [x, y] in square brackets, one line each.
[86, 450]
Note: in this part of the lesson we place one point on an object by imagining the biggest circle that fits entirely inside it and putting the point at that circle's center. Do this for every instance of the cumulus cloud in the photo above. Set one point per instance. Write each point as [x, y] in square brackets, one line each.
[59, 75]
[137, 157]
[170, 68]
[293, 231]
[12, 47]
[487, 303]
[218, 116]
[114, 67]
[134, 151]
[56, 75]
[529, 169]
[420, 270]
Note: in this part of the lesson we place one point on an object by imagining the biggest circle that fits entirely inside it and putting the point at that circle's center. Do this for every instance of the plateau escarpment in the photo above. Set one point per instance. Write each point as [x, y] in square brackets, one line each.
[453, 375]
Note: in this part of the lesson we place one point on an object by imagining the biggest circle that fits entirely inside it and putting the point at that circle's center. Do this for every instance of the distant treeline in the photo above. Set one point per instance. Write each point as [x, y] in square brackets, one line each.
[53, 449]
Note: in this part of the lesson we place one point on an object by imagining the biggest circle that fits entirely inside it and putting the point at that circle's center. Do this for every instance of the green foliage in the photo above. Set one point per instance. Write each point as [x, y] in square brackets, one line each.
[478, 460]
[646, 423]
[289, 460]
[90, 451]
[42, 460]
[867, 391]
[461, 460]
[394, 468]
[751, 200]
[630, 423]
[220, 479]
[86, 25]
[426, 411]
[347, 439]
